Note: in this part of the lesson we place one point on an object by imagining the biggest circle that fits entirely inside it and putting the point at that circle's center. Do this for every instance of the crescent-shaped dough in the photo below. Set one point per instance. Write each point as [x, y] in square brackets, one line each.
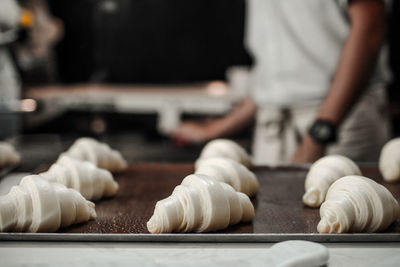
[100, 154]
[37, 205]
[92, 182]
[227, 149]
[389, 161]
[8, 155]
[357, 204]
[200, 204]
[322, 174]
[231, 172]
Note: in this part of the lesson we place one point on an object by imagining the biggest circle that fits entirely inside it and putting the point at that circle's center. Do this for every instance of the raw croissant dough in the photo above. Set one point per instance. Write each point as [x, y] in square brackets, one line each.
[357, 204]
[231, 172]
[389, 161]
[323, 173]
[100, 154]
[227, 149]
[200, 204]
[92, 182]
[8, 155]
[36, 205]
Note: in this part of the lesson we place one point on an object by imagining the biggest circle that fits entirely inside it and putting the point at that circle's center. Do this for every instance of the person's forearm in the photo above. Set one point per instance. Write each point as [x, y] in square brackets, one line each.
[357, 61]
[236, 120]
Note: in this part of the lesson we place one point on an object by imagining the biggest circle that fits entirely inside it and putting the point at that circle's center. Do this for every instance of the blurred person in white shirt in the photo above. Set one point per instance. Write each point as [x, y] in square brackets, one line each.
[318, 82]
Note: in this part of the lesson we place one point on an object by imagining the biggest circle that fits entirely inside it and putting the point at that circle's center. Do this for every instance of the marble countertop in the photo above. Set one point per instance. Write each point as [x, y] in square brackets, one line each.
[180, 254]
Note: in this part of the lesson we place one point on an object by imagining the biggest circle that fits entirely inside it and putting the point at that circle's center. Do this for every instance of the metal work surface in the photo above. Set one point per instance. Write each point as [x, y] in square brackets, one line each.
[168, 102]
[280, 213]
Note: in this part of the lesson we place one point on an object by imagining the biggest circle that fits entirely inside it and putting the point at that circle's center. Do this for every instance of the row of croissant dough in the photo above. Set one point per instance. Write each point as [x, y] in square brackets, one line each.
[206, 201]
[214, 197]
[62, 195]
[348, 201]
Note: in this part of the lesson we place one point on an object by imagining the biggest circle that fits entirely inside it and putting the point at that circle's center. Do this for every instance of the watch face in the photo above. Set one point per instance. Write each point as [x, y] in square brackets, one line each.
[322, 131]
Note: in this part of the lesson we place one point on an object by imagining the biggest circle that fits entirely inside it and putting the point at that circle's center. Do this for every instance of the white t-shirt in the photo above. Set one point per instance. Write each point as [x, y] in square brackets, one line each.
[10, 13]
[296, 45]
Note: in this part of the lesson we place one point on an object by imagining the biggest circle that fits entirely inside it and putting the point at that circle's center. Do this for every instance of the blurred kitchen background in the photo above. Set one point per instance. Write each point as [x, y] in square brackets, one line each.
[127, 71]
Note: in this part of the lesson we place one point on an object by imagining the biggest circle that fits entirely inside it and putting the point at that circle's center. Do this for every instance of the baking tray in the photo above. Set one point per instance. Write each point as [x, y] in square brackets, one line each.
[280, 214]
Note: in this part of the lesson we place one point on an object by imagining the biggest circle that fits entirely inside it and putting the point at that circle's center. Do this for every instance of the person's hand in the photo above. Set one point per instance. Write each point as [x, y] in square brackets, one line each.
[193, 132]
[308, 151]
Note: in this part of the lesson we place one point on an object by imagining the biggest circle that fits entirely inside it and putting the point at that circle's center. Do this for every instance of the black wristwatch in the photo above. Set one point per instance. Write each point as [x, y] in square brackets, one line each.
[323, 132]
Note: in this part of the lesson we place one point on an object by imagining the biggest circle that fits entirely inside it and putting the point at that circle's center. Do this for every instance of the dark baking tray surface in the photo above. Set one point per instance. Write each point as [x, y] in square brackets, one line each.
[280, 214]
